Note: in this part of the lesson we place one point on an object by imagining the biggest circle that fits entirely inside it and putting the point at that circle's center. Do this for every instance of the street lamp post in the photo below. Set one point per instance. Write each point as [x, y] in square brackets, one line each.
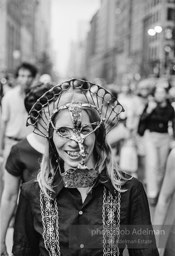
[167, 49]
[153, 31]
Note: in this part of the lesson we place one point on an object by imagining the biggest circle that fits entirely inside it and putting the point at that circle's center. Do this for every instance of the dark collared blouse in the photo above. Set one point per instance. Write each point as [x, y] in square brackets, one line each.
[80, 223]
[159, 118]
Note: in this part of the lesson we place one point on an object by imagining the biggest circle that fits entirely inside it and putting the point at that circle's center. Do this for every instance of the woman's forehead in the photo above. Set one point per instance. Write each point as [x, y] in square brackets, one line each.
[64, 117]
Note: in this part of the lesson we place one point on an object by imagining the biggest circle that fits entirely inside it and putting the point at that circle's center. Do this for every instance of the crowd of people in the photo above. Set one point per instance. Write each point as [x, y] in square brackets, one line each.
[143, 145]
[82, 175]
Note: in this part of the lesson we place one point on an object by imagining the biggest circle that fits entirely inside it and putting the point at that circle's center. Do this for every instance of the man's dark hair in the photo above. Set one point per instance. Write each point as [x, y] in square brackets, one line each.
[28, 66]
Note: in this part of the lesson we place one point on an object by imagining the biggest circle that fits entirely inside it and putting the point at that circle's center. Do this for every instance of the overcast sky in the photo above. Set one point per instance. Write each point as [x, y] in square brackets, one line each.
[65, 16]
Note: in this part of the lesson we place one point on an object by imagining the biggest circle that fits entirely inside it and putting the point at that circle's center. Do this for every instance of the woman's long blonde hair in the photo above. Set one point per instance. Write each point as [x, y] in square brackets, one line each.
[102, 153]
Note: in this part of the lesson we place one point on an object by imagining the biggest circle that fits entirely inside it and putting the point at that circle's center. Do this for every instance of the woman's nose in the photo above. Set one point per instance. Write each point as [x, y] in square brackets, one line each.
[73, 143]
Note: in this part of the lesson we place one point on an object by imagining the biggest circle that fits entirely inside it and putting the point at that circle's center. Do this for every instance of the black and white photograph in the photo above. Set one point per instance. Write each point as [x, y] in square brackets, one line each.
[87, 127]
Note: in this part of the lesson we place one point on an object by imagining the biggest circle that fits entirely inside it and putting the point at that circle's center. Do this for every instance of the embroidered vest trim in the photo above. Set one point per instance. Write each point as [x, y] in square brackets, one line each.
[110, 219]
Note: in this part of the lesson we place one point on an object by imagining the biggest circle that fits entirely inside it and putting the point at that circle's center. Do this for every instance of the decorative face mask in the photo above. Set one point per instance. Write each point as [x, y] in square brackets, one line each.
[95, 96]
[79, 132]
[75, 96]
[74, 140]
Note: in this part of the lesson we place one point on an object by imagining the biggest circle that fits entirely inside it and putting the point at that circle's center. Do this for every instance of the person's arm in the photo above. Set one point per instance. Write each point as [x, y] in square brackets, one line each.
[4, 120]
[165, 197]
[144, 242]
[173, 124]
[167, 190]
[2, 136]
[149, 108]
[8, 204]
[26, 239]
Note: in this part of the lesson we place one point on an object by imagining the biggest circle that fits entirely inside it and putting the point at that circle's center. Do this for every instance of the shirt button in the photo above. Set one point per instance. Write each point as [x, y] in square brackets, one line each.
[80, 212]
[81, 246]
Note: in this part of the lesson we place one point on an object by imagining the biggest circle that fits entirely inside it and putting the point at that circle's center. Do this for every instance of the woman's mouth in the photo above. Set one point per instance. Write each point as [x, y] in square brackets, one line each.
[75, 154]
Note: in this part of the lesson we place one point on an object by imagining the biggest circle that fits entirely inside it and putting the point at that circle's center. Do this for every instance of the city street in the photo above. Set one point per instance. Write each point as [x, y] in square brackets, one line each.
[87, 96]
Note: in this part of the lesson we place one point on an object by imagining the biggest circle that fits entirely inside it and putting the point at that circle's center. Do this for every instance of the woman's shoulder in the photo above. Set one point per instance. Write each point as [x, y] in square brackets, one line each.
[131, 183]
[134, 195]
[126, 181]
[20, 146]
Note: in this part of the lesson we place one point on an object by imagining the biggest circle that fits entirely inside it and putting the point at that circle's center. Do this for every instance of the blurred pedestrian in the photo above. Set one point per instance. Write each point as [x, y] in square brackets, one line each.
[79, 187]
[13, 110]
[156, 117]
[6, 84]
[22, 165]
[172, 96]
[144, 89]
[163, 209]
[14, 114]
[131, 105]
[131, 115]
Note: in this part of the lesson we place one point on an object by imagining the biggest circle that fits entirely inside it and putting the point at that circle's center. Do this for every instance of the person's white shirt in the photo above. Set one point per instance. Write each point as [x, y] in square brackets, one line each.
[14, 114]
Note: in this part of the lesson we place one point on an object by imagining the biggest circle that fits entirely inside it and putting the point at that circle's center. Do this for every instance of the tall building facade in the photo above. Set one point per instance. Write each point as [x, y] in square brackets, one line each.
[123, 37]
[13, 33]
[101, 59]
[117, 41]
[27, 27]
[77, 57]
[159, 37]
[92, 70]
[42, 30]
[24, 30]
[121, 47]
[3, 29]
[135, 37]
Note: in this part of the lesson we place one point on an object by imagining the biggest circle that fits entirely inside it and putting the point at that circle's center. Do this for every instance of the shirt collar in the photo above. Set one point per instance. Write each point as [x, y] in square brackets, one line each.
[103, 179]
[106, 181]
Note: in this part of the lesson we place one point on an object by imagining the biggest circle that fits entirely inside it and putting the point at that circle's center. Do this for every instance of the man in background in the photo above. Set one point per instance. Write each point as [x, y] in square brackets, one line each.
[14, 115]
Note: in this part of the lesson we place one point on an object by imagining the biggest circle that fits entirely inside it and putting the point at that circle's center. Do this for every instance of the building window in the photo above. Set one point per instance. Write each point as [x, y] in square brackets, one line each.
[156, 53]
[169, 33]
[171, 14]
[150, 53]
[155, 2]
[157, 16]
[171, 1]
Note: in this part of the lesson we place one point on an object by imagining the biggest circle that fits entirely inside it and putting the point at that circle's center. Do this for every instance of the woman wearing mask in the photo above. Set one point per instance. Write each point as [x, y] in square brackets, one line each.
[80, 203]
